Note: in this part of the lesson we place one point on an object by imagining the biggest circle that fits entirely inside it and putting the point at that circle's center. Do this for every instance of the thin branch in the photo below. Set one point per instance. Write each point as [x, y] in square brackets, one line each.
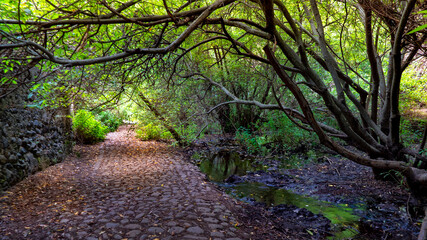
[138, 51]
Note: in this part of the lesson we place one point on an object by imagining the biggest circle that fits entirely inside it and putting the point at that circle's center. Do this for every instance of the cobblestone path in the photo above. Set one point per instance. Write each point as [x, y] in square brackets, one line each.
[122, 188]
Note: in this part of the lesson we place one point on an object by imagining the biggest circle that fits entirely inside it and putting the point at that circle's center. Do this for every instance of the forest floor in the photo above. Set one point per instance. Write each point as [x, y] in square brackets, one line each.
[125, 188]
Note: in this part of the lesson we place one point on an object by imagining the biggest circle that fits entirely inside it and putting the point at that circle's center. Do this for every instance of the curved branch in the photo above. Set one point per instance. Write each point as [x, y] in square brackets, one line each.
[288, 111]
[191, 48]
[139, 51]
[96, 21]
[382, 164]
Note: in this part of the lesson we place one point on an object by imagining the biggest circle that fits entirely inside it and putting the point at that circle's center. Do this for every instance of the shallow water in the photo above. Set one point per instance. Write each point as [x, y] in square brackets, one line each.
[344, 222]
[222, 165]
[218, 167]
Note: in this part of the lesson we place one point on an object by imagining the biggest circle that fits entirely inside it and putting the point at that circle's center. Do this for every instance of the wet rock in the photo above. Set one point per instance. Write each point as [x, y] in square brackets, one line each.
[22, 150]
[30, 133]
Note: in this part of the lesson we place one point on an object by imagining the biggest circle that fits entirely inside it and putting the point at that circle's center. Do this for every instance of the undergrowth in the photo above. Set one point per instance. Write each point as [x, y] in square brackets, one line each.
[110, 120]
[152, 131]
[87, 129]
[278, 135]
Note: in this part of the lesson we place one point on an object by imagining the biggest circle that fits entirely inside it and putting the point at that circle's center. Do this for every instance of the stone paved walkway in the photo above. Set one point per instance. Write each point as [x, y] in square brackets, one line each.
[122, 188]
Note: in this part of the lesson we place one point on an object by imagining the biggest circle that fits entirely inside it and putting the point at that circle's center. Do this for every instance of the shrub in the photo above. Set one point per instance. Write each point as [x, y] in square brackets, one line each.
[87, 129]
[277, 134]
[110, 120]
[250, 141]
[189, 132]
[152, 132]
[282, 132]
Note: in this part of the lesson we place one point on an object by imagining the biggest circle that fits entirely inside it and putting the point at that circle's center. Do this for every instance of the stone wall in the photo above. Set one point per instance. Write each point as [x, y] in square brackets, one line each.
[31, 139]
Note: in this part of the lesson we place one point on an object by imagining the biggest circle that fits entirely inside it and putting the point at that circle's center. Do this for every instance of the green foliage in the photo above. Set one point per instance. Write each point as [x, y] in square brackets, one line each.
[189, 132]
[110, 120]
[282, 133]
[87, 129]
[250, 141]
[395, 176]
[7, 66]
[152, 132]
[411, 131]
[413, 89]
[276, 134]
[419, 28]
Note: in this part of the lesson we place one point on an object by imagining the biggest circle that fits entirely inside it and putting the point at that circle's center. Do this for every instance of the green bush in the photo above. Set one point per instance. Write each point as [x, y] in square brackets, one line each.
[189, 132]
[87, 129]
[110, 120]
[280, 131]
[276, 134]
[152, 132]
[250, 141]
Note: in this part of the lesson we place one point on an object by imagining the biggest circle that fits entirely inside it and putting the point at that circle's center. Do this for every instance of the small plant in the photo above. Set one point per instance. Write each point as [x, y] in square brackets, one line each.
[285, 134]
[190, 132]
[395, 176]
[252, 142]
[87, 129]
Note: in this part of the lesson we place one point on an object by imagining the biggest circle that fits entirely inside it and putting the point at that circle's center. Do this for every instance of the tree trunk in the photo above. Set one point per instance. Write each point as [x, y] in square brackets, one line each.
[159, 116]
[375, 76]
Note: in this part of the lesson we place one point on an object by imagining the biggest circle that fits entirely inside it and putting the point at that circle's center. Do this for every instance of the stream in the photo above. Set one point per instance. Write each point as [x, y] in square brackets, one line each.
[253, 182]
